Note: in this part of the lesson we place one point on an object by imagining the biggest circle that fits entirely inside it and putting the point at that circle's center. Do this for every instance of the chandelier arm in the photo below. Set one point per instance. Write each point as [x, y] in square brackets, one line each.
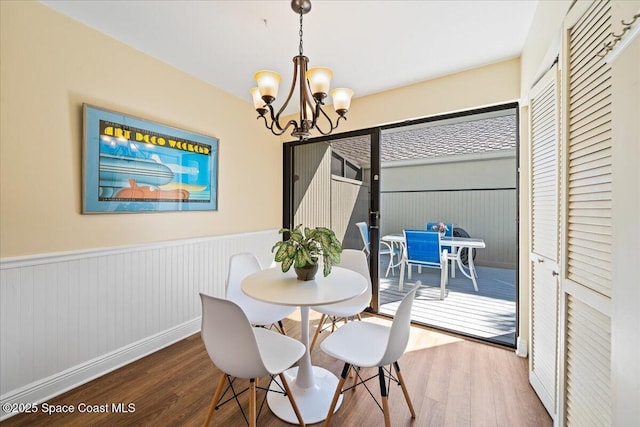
[293, 86]
[275, 120]
[279, 131]
[306, 98]
[270, 127]
[275, 124]
[332, 127]
[287, 126]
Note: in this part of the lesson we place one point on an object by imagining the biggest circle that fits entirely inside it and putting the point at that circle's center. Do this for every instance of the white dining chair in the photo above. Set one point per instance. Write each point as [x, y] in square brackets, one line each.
[259, 313]
[367, 345]
[242, 351]
[384, 248]
[354, 260]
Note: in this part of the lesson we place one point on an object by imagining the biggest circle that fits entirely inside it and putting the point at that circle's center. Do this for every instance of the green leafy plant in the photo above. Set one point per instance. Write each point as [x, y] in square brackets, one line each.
[304, 247]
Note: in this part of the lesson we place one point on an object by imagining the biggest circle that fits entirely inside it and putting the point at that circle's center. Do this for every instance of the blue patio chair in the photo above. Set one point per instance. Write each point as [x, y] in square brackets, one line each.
[451, 253]
[384, 248]
[422, 248]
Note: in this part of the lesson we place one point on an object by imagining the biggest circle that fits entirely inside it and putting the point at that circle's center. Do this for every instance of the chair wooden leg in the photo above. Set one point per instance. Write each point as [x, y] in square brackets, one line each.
[354, 372]
[252, 402]
[336, 395]
[318, 329]
[216, 397]
[385, 397]
[281, 325]
[285, 384]
[404, 389]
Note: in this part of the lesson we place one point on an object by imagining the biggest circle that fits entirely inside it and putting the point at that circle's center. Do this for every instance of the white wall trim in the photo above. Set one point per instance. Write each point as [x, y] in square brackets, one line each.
[54, 257]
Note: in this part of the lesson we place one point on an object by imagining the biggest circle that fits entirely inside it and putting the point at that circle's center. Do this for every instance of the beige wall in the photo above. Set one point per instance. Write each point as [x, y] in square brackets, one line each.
[625, 298]
[489, 85]
[50, 65]
[493, 84]
[542, 42]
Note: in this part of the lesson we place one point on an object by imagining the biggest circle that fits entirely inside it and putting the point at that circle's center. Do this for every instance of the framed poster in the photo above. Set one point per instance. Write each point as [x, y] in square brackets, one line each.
[134, 165]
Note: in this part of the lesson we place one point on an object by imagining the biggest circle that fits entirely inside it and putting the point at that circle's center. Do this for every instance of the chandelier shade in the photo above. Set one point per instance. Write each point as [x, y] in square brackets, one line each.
[313, 87]
[268, 83]
[341, 99]
[319, 79]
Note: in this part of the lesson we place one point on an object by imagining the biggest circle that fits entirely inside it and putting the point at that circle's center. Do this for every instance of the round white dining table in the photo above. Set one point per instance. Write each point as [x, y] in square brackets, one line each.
[311, 386]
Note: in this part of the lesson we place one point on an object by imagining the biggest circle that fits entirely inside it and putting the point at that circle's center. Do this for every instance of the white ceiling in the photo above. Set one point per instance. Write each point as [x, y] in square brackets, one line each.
[371, 46]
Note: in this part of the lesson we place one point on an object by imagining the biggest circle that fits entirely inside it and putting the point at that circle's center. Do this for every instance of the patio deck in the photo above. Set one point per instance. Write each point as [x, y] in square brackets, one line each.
[488, 314]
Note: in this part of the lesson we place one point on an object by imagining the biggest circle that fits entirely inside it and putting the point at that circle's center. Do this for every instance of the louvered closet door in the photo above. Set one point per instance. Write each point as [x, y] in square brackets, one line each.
[545, 154]
[588, 366]
[589, 140]
[587, 279]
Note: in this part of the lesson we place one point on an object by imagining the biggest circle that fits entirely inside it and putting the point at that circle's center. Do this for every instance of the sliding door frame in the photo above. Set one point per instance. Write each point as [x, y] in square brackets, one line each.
[471, 112]
[374, 196]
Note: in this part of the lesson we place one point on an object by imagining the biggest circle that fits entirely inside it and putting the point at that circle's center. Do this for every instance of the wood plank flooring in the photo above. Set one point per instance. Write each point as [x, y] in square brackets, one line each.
[452, 382]
[487, 314]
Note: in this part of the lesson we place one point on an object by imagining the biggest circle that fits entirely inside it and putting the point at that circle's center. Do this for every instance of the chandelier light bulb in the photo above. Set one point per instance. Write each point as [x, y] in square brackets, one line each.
[341, 99]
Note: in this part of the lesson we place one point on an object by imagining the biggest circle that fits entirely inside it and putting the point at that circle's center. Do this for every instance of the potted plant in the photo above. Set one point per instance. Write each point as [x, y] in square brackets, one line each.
[441, 228]
[303, 248]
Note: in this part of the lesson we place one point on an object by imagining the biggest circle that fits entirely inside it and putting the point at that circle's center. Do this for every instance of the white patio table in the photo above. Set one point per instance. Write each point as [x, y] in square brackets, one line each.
[456, 244]
[311, 386]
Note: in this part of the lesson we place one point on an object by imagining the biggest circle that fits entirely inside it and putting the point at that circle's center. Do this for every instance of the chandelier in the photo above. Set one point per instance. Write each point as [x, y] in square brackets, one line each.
[313, 89]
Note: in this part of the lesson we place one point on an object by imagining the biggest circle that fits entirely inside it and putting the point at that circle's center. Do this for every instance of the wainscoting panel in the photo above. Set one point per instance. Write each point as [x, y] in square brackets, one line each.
[68, 318]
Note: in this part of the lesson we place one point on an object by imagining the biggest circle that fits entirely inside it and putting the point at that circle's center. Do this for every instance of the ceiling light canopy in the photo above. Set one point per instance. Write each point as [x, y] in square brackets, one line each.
[314, 86]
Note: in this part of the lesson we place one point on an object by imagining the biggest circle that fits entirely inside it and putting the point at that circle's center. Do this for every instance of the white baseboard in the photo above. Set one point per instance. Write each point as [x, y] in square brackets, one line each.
[521, 347]
[54, 385]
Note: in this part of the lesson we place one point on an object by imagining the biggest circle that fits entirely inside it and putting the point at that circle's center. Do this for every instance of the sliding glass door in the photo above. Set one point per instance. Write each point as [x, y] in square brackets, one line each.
[335, 182]
[459, 169]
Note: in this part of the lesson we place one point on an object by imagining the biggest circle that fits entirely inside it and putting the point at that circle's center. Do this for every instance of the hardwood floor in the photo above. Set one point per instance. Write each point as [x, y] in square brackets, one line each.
[452, 382]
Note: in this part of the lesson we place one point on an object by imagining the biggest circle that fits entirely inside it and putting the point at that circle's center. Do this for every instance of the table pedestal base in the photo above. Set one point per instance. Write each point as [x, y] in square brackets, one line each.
[313, 402]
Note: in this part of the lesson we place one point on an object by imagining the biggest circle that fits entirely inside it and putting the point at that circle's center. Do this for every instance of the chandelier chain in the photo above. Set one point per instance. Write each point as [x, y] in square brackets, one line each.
[300, 33]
